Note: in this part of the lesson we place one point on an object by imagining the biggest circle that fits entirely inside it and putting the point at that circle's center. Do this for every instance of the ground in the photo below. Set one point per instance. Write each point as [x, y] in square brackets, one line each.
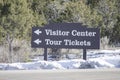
[95, 59]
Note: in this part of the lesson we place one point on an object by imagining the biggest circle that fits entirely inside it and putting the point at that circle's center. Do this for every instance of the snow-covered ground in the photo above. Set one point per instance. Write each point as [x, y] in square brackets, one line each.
[96, 60]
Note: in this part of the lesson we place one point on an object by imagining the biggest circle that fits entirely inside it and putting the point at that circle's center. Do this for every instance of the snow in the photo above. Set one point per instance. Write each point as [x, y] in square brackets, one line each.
[96, 60]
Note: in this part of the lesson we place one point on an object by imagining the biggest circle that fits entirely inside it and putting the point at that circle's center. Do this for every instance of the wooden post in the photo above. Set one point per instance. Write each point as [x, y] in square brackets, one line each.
[45, 54]
[84, 54]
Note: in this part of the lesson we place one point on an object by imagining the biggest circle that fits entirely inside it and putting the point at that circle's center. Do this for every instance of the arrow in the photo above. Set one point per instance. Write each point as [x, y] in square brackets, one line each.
[38, 41]
[38, 32]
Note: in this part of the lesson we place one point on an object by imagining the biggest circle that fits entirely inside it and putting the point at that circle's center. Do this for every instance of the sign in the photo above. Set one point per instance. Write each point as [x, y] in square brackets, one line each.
[65, 35]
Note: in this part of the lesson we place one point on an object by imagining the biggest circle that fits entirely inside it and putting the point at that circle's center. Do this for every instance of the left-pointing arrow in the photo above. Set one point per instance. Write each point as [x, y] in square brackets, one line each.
[37, 41]
[38, 32]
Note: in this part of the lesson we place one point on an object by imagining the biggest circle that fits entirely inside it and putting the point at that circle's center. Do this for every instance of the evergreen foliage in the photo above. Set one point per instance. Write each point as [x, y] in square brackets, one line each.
[17, 17]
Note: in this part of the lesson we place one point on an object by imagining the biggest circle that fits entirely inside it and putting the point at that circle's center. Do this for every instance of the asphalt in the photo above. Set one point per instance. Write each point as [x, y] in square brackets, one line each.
[75, 74]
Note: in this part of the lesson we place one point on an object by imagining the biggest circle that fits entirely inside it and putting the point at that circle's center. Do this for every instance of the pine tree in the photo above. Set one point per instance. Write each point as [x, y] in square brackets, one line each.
[15, 20]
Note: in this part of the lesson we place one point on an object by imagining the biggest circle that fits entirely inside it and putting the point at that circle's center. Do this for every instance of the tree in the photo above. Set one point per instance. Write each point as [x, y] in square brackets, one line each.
[92, 3]
[80, 12]
[115, 37]
[108, 11]
[37, 7]
[1, 35]
[15, 20]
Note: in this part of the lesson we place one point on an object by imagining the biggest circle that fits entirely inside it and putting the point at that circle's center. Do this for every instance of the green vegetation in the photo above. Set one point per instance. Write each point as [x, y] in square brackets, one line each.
[18, 16]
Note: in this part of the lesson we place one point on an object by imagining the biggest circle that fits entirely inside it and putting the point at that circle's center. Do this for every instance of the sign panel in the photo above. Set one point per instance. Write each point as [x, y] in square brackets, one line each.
[65, 35]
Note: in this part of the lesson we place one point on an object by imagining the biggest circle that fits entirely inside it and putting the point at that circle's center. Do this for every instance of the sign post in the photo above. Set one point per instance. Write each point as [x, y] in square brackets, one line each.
[45, 54]
[65, 35]
[84, 54]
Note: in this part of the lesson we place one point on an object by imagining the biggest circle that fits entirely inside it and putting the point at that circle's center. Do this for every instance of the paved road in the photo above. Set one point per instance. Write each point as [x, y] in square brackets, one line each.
[84, 74]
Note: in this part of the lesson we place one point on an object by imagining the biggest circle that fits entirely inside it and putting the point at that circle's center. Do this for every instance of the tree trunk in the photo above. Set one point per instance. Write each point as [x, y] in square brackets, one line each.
[10, 40]
[10, 53]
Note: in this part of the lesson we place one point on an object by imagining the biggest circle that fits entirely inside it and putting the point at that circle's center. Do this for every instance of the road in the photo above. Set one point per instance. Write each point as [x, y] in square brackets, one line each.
[81, 74]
